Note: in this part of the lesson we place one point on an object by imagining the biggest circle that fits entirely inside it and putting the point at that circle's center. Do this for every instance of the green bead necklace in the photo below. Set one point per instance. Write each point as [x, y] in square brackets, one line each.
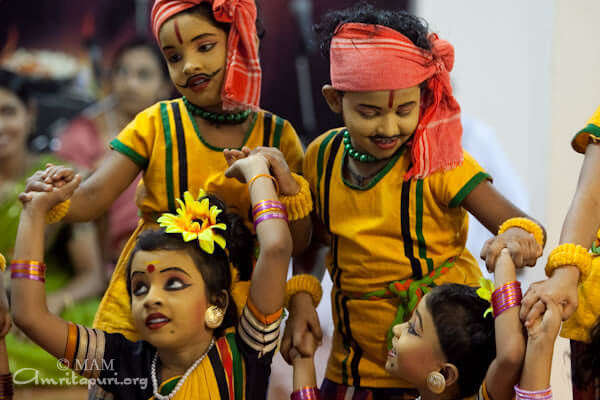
[230, 118]
[357, 155]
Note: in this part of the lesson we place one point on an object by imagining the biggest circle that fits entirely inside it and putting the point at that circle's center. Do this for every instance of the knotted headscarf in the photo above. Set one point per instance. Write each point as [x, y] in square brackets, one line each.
[241, 89]
[367, 57]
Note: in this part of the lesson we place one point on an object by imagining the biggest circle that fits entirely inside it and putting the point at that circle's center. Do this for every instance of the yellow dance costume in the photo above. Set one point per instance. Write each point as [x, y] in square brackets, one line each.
[391, 242]
[578, 326]
[166, 143]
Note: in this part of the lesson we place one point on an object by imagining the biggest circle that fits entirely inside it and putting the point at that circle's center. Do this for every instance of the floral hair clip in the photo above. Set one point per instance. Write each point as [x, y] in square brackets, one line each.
[196, 219]
[485, 292]
[596, 245]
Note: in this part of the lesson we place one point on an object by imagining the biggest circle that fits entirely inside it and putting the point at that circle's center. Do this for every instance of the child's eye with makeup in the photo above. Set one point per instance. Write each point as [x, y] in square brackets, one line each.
[139, 289]
[411, 328]
[204, 47]
[175, 284]
[365, 113]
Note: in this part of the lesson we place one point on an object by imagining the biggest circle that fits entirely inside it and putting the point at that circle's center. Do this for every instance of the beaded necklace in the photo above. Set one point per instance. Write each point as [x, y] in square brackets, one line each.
[357, 155]
[216, 118]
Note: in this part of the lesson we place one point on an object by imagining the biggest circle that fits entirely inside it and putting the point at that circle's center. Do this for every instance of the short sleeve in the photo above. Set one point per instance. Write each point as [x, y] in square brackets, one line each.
[259, 333]
[291, 147]
[590, 132]
[136, 140]
[451, 187]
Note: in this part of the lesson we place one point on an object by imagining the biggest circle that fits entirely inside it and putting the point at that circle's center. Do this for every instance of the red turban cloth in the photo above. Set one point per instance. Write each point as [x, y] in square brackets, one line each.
[241, 89]
[368, 57]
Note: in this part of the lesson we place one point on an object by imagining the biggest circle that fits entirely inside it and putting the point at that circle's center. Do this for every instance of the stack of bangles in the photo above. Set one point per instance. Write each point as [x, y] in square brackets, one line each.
[506, 296]
[27, 269]
[306, 393]
[6, 386]
[545, 394]
[268, 209]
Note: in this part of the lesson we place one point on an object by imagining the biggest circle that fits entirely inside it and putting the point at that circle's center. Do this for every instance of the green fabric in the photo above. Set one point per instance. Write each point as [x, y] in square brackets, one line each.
[168, 387]
[168, 156]
[468, 188]
[26, 357]
[127, 151]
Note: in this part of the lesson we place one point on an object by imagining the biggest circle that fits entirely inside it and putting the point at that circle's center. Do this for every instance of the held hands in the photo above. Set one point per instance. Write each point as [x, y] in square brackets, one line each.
[276, 162]
[54, 176]
[560, 288]
[545, 327]
[302, 323]
[44, 200]
[523, 248]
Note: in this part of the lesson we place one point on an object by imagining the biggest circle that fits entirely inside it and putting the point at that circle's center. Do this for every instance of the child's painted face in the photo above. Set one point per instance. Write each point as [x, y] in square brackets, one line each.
[138, 81]
[416, 349]
[14, 123]
[380, 122]
[196, 53]
[168, 299]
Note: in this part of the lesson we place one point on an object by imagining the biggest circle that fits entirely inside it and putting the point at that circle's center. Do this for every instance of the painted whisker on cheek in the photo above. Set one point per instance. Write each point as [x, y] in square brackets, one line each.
[204, 76]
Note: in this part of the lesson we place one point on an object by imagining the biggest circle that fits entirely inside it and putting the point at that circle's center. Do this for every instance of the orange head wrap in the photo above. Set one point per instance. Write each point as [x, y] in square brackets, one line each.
[368, 57]
[241, 88]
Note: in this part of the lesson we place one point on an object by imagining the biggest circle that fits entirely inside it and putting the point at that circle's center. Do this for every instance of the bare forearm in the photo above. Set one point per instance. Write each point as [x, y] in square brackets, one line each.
[538, 366]
[301, 231]
[304, 373]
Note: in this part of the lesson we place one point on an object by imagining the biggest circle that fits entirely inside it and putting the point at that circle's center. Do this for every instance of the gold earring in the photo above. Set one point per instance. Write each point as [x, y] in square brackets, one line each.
[213, 317]
[436, 382]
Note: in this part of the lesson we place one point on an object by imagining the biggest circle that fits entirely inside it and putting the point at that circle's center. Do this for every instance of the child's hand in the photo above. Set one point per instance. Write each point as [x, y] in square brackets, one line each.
[232, 155]
[54, 176]
[44, 201]
[546, 327]
[521, 244]
[280, 169]
[243, 169]
[307, 345]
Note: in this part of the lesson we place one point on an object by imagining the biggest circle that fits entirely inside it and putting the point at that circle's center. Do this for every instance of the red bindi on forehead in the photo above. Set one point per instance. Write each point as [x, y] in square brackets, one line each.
[391, 99]
[150, 268]
[178, 32]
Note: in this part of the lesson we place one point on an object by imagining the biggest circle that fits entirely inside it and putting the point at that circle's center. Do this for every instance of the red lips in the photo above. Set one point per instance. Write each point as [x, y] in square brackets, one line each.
[156, 321]
[199, 82]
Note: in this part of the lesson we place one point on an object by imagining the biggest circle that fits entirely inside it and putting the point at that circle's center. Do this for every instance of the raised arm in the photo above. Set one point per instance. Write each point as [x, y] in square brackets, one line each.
[96, 194]
[267, 289]
[505, 370]
[28, 306]
[580, 227]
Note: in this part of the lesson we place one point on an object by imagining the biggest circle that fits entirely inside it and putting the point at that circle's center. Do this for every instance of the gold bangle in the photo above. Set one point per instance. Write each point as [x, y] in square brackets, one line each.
[527, 225]
[2, 263]
[303, 283]
[570, 254]
[271, 177]
[58, 212]
[299, 205]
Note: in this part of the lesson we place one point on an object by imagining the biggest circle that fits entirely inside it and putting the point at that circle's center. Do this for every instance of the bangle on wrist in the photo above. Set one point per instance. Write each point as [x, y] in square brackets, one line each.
[527, 225]
[28, 269]
[306, 393]
[58, 212]
[506, 296]
[544, 394]
[570, 254]
[299, 205]
[255, 177]
[303, 283]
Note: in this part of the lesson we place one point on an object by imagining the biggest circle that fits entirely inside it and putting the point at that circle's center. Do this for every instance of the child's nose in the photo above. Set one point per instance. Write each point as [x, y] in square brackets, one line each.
[153, 299]
[388, 126]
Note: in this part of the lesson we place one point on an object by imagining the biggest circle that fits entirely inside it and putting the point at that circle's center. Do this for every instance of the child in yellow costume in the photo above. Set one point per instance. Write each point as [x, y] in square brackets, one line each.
[392, 189]
[574, 272]
[211, 51]
[178, 280]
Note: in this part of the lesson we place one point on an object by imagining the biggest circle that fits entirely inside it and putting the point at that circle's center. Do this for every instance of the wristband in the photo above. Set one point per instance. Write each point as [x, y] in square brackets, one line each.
[527, 225]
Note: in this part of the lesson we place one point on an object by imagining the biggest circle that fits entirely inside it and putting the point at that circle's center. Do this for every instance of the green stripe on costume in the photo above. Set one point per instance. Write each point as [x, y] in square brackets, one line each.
[238, 368]
[419, 226]
[127, 151]
[468, 188]
[278, 129]
[320, 160]
[164, 112]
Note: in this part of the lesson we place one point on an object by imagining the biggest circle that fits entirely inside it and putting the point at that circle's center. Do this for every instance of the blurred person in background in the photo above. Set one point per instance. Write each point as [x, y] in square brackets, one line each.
[73, 292]
[137, 80]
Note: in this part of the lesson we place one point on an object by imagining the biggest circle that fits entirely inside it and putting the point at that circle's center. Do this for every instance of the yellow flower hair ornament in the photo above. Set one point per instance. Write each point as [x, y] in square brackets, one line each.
[196, 219]
[2, 262]
[485, 292]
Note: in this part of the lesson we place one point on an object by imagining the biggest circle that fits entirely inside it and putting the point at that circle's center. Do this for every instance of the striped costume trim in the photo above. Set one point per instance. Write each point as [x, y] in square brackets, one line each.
[85, 350]
[261, 337]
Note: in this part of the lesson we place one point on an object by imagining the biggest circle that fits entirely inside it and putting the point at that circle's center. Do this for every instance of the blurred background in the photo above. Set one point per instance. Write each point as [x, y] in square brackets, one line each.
[526, 76]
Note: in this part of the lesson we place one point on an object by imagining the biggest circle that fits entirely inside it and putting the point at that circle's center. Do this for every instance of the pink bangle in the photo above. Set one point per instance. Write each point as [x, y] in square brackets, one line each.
[505, 297]
[269, 215]
[28, 269]
[306, 393]
[545, 394]
[263, 209]
[266, 204]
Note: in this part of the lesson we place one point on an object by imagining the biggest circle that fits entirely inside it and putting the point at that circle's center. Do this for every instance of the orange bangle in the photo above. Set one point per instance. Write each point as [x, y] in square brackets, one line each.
[251, 181]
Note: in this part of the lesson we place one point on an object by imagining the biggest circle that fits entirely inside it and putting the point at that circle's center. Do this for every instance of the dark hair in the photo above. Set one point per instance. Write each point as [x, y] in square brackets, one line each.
[407, 24]
[466, 337]
[16, 84]
[587, 364]
[141, 43]
[205, 9]
[213, 267]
